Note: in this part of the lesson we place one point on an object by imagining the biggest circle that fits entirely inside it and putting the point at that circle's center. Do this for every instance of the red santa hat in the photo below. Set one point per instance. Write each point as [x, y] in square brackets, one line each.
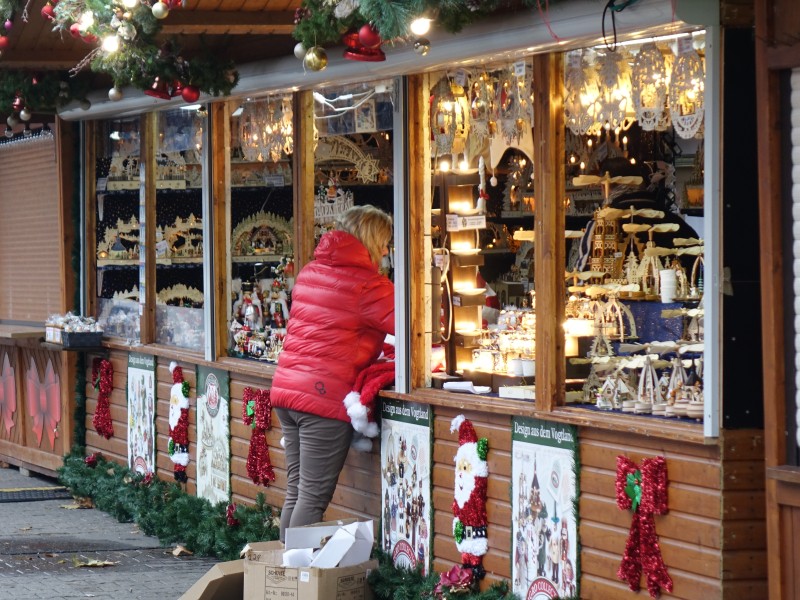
[360, 402]
[470, 448]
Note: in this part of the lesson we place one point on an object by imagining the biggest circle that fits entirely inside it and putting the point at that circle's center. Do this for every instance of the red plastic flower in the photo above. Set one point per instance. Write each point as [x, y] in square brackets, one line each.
[91, 460]
[457, 580]
[230, 513]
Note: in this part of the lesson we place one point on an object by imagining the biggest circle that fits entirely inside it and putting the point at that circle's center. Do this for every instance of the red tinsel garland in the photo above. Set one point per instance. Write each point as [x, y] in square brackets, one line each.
[257, 412]
[642, 551]
[103, 381]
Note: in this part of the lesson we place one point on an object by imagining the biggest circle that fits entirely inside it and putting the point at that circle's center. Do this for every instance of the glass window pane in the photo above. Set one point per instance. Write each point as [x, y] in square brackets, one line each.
[179, 244]
[116, 147]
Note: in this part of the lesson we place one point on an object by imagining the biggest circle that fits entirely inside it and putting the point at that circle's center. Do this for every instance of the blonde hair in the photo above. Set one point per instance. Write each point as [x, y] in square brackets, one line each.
[370, 225]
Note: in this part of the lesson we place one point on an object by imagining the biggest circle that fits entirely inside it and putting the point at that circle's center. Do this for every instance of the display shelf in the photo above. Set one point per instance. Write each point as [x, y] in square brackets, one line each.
[257, 258]
[134, 262]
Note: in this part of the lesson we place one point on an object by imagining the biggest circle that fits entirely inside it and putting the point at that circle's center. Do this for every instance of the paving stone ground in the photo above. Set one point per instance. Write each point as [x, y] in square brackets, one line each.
[41, 544]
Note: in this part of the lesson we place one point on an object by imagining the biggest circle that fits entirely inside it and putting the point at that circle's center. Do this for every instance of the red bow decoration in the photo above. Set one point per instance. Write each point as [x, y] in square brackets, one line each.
[645, 493]
[8, 395]
[257, 412]
[102, 379]
[457, 580]
[44, 402]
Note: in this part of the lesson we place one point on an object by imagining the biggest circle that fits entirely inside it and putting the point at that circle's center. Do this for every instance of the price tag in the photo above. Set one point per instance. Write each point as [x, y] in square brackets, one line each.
[574, 59]
[460, 77]
[102, 184]
[685, 44]
[519, 68]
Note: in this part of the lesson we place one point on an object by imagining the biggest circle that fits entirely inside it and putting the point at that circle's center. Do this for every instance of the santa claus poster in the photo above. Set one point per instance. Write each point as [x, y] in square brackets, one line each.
[141, 413]
[406, 483]
[213, 435]
[544, 495]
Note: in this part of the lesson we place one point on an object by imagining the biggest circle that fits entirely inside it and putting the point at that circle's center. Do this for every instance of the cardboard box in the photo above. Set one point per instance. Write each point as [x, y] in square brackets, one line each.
[223, 581]
[266, 579]
[313, 536]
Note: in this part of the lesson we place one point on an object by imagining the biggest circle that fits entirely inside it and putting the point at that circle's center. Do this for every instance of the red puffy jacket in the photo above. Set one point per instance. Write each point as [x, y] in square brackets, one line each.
[342, 309]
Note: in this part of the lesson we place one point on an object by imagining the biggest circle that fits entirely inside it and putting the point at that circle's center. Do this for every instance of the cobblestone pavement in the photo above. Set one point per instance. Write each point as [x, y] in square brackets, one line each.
[42, 544]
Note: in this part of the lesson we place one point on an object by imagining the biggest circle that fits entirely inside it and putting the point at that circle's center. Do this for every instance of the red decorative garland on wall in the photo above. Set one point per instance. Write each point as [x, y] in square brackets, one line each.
[178, 445]
[103, 382]
[257, 412]
[644, 491]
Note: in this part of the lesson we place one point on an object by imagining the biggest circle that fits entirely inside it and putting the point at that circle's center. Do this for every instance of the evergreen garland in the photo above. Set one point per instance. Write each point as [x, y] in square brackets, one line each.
[163, 510]
[391, 583]
[41, 92]
[317, 24]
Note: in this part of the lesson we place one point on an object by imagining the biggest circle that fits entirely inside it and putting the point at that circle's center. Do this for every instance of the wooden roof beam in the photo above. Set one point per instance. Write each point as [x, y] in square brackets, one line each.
[195, 22]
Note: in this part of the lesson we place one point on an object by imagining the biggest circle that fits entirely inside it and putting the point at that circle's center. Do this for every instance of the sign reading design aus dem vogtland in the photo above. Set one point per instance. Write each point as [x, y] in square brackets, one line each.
[406, 483]
[213, 435]
[543, 510]
[141, 412]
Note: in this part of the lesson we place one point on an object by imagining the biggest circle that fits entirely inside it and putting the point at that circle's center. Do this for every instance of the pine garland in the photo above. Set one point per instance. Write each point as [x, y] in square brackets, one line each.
[41, 91]
[163, 510]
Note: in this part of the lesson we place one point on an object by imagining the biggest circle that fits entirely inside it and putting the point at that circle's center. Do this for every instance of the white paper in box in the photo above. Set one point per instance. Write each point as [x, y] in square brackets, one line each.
[350, 545]
[312, 536]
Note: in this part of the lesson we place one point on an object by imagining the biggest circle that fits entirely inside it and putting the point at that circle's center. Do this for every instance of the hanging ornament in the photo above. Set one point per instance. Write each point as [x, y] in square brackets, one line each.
[369, 36]
[355, 50]
[3, 42]
[159, 89]
[48, 12]
[299, 51]
[686, 90]
[25, 114]
[9, 24]
[18, 103]
[160, 10]
[102, 381]
[115, 94]
[190, 93]
[12, 121]
[422, 46]
[316, 59]
[649, 87]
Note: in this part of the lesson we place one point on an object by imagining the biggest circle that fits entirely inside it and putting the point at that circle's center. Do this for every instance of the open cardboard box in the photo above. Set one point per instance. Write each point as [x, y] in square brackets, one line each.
[223, 581]
[266, 578]
[342, 543]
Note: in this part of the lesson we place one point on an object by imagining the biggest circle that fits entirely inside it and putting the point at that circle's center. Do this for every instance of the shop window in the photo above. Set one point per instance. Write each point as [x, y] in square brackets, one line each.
[353, 159]
[179, 245]
[482, 210]
[261, 225]
[116, 219]
[634, 226]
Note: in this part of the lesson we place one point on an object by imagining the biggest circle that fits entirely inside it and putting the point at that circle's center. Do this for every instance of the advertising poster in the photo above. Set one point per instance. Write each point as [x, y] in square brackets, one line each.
[406, 483]
[544, 491]
[213, 435]
[141, 413]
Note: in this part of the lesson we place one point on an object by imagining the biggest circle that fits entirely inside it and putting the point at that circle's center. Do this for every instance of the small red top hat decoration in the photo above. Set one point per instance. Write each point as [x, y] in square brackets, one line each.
[159, 89]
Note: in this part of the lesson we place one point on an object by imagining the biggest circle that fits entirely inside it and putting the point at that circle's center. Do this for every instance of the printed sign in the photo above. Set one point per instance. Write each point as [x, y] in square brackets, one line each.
[213, 435]
[406, 524]
[544, 495]
[141, 413]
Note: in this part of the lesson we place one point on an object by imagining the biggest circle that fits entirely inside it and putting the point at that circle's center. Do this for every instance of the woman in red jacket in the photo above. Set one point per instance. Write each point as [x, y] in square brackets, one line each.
[342, 309]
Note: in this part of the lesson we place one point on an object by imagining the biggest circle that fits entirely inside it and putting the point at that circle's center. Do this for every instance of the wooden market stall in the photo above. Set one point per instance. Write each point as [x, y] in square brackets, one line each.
[711, 527]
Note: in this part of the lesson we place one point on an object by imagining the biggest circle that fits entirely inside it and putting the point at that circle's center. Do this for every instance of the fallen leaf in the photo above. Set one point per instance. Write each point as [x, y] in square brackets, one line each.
[181, 551]
[60, 562]
[94, 563]
[72, 506]
[25, 528]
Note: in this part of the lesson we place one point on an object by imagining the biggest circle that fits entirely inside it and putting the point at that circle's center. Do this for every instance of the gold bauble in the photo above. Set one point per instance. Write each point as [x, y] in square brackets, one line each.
[316, 59]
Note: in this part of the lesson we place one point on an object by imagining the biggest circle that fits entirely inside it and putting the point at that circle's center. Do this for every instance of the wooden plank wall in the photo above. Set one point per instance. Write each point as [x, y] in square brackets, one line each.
[713, 538]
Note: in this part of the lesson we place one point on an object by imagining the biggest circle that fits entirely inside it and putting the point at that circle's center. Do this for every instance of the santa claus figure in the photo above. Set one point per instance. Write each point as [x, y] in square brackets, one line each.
[469, 505]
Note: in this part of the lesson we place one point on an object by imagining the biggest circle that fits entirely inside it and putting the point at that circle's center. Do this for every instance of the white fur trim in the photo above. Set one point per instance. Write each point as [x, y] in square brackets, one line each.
[282, 442]
[371, 430]
[361, 443]
[469, 452]
[456, 423]
[476, 546]
[180, 458]
[357, 412]
[352, 398]
[172, 366]
[389, 339]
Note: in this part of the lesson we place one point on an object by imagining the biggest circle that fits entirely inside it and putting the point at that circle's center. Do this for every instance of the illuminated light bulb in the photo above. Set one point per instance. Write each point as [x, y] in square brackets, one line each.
[86, 20]
[130, 3]
[420, 26]
[583, 165]
[463, 165]
[111, 43]
[633, 161]
[572, 159]
[589, 142]
[444, 166]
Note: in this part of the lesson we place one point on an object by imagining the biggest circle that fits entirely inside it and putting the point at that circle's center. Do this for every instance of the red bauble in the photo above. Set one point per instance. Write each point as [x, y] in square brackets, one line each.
[48, 12]
[89, 38]
[369, 36]
[190, 93]
[3, 42]
[75, 30]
